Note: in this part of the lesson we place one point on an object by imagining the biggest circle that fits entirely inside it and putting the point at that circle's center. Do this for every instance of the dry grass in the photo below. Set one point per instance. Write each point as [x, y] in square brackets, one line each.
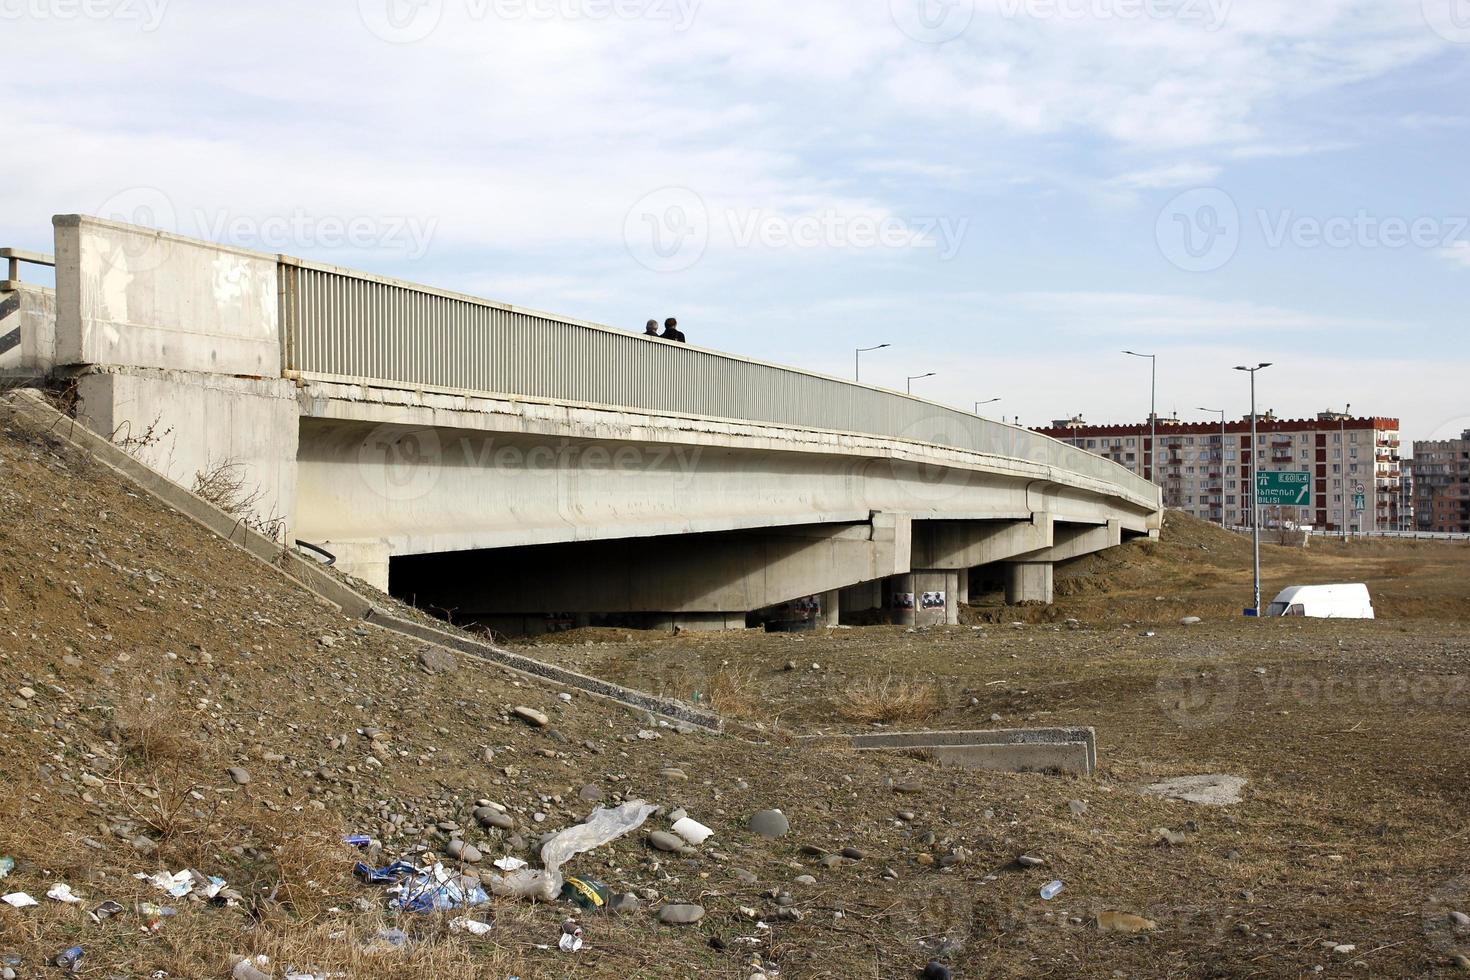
[734, 693]
[889, 700]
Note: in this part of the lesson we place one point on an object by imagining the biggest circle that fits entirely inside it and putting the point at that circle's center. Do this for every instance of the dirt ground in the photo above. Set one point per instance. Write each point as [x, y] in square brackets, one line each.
[142, 658]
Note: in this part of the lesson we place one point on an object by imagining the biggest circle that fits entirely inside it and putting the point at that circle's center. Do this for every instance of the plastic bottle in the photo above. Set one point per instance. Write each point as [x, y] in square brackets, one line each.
[1051, 890]
[68, 959]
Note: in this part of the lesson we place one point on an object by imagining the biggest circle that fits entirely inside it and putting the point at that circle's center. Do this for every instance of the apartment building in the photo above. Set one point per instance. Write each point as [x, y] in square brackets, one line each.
[1204, 467]
[1442, 484]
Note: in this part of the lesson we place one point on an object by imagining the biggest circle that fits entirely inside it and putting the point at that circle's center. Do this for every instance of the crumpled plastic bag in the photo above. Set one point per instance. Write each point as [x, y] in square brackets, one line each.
[602, 827]
[438, 890]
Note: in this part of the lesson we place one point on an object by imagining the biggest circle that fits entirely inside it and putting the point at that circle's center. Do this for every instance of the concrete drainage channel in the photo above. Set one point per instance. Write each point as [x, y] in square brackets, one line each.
[1069, 750]
[306, 572]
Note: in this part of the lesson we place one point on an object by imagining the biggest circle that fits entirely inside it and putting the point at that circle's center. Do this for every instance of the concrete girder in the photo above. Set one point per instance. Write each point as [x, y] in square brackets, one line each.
[967, 544]
[709, 573]
[1075, 540]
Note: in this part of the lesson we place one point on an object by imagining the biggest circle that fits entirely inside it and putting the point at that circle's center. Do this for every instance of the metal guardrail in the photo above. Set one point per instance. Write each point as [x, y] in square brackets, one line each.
[343, 325]
[14, 257]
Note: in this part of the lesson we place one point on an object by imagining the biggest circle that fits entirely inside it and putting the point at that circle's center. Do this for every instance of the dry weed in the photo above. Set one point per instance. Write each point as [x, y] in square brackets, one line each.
[889, 699]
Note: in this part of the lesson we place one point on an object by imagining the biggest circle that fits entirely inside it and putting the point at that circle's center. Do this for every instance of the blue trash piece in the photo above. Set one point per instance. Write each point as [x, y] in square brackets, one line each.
[357, 840]
[389, 875]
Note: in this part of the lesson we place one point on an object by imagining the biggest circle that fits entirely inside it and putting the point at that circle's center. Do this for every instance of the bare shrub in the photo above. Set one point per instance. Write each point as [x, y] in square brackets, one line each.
[889, 699]
[223, 485]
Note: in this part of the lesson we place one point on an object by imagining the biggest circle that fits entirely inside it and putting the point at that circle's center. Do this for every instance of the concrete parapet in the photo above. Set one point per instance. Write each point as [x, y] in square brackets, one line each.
[1013, 750]
[135, 297]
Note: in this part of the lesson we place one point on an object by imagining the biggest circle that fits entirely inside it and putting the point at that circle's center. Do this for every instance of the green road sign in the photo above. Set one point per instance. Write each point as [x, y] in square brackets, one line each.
[1288, 489]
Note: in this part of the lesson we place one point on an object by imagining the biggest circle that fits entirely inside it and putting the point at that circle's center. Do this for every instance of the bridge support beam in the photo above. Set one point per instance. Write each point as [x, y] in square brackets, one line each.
[710, 575]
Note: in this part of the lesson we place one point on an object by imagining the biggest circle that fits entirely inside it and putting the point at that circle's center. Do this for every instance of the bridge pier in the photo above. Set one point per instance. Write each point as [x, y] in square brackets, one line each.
[1029, 581]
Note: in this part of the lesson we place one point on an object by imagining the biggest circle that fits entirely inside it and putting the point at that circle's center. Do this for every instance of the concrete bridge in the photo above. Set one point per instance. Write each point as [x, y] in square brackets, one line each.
[511, 466]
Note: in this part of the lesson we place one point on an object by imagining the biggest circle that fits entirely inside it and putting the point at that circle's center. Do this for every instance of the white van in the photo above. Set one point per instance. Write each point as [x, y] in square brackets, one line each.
[1323, 602]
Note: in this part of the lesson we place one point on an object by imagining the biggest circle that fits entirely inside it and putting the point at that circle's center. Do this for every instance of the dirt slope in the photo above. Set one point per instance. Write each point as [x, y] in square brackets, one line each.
[142, 659]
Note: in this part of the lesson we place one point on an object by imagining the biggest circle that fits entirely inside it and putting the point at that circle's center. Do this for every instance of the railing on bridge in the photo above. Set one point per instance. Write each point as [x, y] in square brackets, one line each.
[339, 324]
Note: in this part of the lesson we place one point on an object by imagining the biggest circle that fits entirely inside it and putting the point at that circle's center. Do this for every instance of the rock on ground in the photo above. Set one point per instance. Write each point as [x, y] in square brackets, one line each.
[1213, 789]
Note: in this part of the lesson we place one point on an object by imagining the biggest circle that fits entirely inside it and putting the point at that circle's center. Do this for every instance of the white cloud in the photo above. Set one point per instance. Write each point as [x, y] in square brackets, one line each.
[1176, 175]
[1458, 253]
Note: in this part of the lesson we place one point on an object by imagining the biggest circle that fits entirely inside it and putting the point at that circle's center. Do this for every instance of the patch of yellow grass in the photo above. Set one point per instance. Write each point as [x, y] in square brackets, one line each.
[889, 700]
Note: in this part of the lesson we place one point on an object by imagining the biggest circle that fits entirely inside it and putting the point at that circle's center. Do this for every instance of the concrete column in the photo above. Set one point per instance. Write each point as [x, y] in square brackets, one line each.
[936, 601]
[862, 598]
[900, 598]
[831, 608]
[1029, 582]
[962, 590]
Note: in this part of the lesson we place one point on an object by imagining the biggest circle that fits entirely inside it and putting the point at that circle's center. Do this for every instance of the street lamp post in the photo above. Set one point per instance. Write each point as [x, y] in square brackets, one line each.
[1153, 414]
[909, 382]
[1222, 459]
[857, 360]
[988, 401]
[1342, 452]
[1255, 484]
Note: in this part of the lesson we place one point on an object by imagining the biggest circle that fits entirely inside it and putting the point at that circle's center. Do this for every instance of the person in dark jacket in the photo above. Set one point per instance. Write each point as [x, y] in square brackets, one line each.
[671, 330]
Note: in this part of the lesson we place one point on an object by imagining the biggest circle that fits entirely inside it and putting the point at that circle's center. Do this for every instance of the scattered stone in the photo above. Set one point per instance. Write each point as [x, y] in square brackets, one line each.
[531, 716]
[27, 692]
[489, 816]
[1174, 838]
[673, 772]
[437, 660]
[239, 776]
[770, 824]
[1190, 621]
[1029, 861]
[664, 841]
[1460, 919]
[680, 915]
[590, 793]
[853, 854]
[1213, 789]
[461, 851]
[1078, 807]
[805, 880]
[625, 904]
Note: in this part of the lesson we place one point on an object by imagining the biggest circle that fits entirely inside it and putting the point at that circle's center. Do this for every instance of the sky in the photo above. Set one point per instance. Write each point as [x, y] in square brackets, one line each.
[1008, 192]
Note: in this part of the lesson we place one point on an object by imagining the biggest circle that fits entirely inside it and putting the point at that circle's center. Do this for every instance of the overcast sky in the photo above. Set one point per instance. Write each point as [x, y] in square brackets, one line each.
[1010, 192]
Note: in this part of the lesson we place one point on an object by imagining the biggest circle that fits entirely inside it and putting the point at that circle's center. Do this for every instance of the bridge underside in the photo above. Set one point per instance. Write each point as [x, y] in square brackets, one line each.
[490, 514]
